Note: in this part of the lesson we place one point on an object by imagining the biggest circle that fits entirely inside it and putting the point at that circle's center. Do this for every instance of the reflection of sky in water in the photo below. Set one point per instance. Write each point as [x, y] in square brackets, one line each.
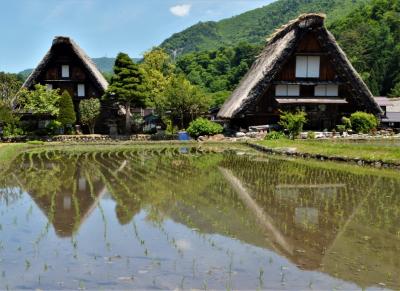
[169, 220]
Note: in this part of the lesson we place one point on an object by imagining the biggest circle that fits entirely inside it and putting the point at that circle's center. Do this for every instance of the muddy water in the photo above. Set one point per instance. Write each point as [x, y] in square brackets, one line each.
[186, 218]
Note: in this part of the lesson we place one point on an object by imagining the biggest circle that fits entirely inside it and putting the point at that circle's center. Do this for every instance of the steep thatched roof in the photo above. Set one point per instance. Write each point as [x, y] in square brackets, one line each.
[86, 60]
[281, 45]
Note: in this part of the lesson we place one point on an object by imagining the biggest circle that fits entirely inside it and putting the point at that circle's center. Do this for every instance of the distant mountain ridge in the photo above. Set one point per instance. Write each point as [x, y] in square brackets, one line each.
[253, 26]
[104, 64]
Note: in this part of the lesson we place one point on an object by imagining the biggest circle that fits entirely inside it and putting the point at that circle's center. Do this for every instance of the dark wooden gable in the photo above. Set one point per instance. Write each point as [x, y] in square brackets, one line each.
[63, 54]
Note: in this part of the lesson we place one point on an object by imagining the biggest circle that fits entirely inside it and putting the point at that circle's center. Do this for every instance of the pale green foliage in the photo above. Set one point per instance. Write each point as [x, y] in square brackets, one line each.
[202, 126]
[185, 101]
[275, 135]
[158, 70]
[293, 122]
[363, 122]
[41, 100]
[90, 111]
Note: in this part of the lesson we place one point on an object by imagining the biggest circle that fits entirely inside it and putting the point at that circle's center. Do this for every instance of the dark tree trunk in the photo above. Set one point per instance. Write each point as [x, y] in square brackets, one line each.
[128, 125]
[91, 128]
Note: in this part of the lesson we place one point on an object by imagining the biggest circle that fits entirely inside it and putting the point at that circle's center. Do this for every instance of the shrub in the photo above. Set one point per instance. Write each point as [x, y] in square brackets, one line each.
[66, 115]
[311, 135]
[293, 122]
[363, 122]
[346, 123]
[12, 130]
[90, 111]
[54, 127]
[202, 126]
[275, 135]
[341, 128]
[171, 129]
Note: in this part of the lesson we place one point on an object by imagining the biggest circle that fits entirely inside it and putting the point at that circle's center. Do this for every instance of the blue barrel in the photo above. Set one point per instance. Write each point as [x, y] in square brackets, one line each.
[183, 135]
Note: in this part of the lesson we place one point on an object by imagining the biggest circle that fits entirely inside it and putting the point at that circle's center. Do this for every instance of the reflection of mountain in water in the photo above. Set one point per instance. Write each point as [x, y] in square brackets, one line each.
[335, 222]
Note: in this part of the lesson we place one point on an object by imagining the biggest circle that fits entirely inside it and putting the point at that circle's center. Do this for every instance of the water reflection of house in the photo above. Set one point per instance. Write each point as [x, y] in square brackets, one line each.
[69, 208]
[319, 227]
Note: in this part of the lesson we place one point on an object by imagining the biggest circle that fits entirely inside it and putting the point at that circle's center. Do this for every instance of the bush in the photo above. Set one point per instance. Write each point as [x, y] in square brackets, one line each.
[341, 128]
[54, 127]
[311, 135]
[363, 122]
[275, 135]
[171, 129]
[202, 126]
[66, 115]
[346, 123]
[12, 130]
[293, 122]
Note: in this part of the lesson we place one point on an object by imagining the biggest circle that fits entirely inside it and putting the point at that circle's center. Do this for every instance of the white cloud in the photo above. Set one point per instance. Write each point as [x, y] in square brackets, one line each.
[181, 10]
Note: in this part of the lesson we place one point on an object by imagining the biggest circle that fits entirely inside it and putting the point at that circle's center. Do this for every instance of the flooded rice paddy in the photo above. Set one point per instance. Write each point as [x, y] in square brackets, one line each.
[191, 218]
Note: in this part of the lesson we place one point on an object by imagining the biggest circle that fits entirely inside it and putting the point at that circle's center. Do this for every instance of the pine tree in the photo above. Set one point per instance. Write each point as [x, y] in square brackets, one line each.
[66, 115]
[126, 86]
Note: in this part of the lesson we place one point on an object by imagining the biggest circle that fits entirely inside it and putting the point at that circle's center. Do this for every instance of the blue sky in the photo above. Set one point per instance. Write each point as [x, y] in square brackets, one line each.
[101, 27]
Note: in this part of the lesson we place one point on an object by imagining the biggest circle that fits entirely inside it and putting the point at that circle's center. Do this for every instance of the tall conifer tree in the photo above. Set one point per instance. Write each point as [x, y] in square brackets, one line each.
[126, 86]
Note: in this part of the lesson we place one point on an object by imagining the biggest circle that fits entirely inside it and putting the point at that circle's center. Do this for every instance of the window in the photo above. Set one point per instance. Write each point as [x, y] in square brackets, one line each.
[327, 90]
[64, 71]
[49, 87]
[81, 90]
[307, 66]
[287, 90]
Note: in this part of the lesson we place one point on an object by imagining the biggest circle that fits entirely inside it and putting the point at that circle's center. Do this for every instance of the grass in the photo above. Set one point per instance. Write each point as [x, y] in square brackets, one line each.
[349, 149]
[9, 151]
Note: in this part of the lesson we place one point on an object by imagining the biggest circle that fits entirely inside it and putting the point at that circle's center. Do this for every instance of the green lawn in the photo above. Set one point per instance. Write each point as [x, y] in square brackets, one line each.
[382, 151]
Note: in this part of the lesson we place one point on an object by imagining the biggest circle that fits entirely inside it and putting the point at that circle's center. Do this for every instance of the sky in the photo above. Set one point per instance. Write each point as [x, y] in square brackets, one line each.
[101, 27]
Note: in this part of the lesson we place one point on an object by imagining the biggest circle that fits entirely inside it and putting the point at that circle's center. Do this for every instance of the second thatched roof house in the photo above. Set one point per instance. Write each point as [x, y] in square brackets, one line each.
[68, 68]
[301, 68]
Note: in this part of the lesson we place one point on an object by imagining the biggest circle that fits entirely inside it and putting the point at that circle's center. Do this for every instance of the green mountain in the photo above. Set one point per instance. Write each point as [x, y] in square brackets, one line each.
[253, 26]
[367, 30]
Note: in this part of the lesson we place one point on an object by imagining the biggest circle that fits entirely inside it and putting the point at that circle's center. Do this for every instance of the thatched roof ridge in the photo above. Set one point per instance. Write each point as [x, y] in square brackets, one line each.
[305, 20]
[86, 60]
[280, 47]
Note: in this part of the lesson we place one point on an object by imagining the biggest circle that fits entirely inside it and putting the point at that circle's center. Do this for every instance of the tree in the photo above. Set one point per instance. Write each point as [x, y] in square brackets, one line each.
[158, 70]
[185, 101]
[126, 86]
[395, 92]
[293, 122]
[90, 111]
[41, 100]
[66, 115]
[10, 84]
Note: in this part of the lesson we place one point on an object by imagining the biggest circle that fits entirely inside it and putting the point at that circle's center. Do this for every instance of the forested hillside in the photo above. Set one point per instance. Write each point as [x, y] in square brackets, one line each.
[369, 34]
[253, 26]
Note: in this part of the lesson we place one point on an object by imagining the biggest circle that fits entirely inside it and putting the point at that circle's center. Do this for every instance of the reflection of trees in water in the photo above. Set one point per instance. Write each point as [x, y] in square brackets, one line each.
[327, 217]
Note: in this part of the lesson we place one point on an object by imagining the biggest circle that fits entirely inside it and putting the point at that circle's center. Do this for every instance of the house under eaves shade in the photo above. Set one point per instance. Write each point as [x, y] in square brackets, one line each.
[301, 68]
[67, 67]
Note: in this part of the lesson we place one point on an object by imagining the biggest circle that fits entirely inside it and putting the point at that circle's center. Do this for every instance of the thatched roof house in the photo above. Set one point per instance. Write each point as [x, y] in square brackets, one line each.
[86, 61]
[302, 67]
[68, 68]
